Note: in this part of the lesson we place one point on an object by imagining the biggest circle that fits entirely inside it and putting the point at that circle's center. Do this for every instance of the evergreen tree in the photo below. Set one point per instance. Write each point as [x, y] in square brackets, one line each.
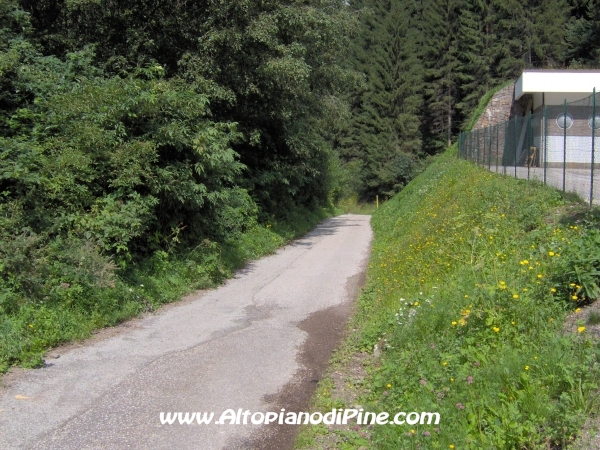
[385, 135]
[582, 34]
[439, 24]
[475, 53]
[532, 33]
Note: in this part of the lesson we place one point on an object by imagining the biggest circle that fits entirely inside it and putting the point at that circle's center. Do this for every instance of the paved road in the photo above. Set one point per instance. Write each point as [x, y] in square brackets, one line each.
[259, 342]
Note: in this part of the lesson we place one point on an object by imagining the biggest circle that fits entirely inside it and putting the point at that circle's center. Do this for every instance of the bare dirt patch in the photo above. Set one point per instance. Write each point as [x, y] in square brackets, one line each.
[585, 316]
[344, 385]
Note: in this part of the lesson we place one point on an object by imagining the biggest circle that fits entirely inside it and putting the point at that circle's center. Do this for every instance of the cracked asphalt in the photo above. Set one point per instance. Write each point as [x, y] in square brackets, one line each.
[260, 342]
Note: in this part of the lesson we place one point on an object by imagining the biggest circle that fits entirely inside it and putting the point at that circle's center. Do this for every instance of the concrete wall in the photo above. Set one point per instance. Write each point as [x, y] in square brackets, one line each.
[579, 149]
[580, 115]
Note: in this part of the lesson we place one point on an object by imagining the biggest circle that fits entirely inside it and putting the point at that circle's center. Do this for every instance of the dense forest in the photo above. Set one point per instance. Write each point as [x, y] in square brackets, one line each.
[426, 64]
[131, 129]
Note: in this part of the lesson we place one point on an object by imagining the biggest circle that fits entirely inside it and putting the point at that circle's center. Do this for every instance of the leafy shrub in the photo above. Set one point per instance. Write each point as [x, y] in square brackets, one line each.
[579, 275]
[236, 214]
[122, 184]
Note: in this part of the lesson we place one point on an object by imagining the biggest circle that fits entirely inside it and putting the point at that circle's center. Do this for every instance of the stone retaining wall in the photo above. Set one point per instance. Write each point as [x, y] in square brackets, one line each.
[498, 109]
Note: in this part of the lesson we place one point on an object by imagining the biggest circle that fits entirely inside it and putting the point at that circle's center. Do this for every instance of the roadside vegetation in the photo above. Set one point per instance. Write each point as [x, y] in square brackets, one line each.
[471, 278]
[85, 291]
[138, 162]
[352, 205]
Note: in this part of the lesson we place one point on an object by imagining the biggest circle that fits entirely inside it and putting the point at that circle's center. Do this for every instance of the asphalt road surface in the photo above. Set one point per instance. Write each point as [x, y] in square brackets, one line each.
[260, 343]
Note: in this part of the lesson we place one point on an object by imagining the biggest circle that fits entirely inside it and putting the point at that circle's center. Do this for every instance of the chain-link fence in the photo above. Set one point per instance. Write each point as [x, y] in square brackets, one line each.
[555, 145]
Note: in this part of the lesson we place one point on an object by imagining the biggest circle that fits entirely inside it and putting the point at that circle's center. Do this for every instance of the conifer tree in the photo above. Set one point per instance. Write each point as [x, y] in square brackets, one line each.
[385, 124]
[475, 54]
[582, 34]
[531, 33]
[440, 53]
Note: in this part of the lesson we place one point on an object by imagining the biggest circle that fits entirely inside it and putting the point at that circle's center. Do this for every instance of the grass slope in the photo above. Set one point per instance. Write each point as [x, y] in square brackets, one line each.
[471, 277]
[34, 328]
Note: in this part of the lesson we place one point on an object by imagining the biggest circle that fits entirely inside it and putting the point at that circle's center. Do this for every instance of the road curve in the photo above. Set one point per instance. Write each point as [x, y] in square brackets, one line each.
[259, 342]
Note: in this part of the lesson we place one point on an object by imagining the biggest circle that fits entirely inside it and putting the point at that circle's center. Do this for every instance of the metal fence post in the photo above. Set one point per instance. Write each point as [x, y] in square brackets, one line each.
[516, 145]
[564, 143]
[470, 158]
[505, 135]
[468, 147]
[497, 144]
[528, 144]
[478, 148]
[485, 133]
[483, 150]
[490, 147]
[467, 142]
[593, 147]
[545, 144]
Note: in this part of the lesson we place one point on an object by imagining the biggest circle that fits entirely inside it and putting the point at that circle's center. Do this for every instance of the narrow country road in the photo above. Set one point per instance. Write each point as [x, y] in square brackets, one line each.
[260, 343]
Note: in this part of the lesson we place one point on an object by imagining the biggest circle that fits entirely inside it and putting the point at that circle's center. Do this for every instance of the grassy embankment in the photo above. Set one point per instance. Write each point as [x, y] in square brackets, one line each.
[471, 277]
[34, 328]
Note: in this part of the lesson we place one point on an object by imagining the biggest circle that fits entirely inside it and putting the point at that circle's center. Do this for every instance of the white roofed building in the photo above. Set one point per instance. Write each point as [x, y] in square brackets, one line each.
[553, 87]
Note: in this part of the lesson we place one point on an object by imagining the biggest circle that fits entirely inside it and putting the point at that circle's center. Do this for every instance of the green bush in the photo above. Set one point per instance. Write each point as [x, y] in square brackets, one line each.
[122, 184]
[579, 275]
